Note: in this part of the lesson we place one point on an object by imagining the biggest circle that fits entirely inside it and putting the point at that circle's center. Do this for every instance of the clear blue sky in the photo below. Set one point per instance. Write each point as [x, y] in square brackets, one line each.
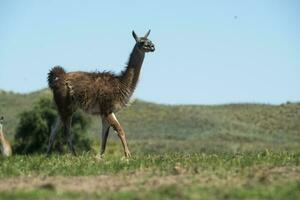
[207, 52]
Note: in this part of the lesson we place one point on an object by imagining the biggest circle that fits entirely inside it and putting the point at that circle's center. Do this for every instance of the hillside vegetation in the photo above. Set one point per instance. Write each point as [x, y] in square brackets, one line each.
[233, 126]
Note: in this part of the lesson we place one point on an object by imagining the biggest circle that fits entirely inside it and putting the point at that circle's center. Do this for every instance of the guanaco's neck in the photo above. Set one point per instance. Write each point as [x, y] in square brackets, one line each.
[129, 77]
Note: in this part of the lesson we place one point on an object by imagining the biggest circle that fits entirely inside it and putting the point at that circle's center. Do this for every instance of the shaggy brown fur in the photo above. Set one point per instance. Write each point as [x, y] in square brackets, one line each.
[97, 93]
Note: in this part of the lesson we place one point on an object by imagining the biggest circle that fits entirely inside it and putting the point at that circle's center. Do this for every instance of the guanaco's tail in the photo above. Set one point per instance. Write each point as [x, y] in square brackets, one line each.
[56, 77]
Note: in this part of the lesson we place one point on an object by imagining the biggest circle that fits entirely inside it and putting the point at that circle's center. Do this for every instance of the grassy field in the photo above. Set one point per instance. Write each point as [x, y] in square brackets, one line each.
[260, 175]
[235, 151]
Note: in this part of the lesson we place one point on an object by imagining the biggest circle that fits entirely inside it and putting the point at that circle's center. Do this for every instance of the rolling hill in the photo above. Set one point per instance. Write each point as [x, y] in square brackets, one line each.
[221, 126]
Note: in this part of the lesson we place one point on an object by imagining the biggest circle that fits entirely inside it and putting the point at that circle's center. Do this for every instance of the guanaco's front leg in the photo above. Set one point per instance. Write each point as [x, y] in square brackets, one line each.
[112, 120]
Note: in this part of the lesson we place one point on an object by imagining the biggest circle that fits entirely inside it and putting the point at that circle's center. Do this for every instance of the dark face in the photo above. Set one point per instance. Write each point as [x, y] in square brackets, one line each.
[144, 43]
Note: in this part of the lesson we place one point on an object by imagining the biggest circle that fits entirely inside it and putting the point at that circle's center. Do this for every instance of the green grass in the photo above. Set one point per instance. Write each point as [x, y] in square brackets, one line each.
[260, 175]
[271, 192]
[87, 164]
[235, 151]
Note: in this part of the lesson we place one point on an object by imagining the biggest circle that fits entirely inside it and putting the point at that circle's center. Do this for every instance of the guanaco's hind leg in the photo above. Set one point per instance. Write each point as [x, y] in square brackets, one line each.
[105, 132]
[53, 134]
[112, 120]
[67, 131]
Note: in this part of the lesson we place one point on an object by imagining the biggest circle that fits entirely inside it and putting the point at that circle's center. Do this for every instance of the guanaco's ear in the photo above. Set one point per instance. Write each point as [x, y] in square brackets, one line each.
[135, 36]
[147, 34]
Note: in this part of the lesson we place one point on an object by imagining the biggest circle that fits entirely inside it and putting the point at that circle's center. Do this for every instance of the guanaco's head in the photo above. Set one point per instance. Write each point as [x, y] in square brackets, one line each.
[143, 43]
